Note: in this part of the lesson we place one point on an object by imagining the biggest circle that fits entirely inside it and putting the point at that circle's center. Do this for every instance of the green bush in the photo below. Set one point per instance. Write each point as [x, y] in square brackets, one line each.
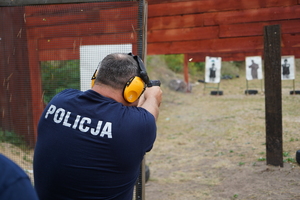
[175, 63]
[12, 138]
[59, 75]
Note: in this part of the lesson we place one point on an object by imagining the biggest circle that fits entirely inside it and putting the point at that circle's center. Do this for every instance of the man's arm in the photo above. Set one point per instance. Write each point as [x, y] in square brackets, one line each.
[151, 100]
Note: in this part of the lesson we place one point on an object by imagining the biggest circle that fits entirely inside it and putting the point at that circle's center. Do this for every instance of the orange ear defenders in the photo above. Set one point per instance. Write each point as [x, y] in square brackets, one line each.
[136, 85]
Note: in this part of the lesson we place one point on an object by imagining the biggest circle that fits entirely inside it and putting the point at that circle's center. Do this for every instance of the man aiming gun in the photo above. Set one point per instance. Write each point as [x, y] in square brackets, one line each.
[90, 144]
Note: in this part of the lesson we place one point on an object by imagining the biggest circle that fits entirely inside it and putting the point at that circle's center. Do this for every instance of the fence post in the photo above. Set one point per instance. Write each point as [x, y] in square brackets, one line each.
[273, 105]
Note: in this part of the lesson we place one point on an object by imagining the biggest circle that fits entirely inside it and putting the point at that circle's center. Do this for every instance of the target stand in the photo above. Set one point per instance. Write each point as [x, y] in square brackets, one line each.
[251, 91]
[216, 92]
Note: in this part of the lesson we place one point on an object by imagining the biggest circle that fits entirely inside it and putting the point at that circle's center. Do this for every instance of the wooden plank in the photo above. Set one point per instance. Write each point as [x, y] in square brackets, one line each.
[68, 54]
[74, 8]
[253, 29]
[240, 55]
[59, 54]
[150, 2]
[291, 40]
[231, 56]
[35, 82]
[252, 15]
[81, 29]
[54, 19]
[118, 13]
[61, 18]
[16, 105]
[285, 51]
[201, 6]
[179, 21]
[59, 43]
[196, 33]
[186, 72]
[214, 45]
[20, 96]
[71, 54]
[75, 42]
[273, 107]
[6, 121]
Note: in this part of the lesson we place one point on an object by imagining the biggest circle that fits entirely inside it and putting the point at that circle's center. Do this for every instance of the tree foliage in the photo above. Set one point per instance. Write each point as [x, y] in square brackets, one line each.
[59, 75]
[175, 63]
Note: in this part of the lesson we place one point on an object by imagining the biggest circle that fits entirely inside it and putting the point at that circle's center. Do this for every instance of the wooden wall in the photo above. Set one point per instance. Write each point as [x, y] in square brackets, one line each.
[31, 34]
[231, 29]
[15, 99]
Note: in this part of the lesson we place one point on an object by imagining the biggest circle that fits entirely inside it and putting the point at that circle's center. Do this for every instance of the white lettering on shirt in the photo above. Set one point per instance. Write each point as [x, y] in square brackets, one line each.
[106, 130]
[97, 131]
[50, 110]
[61, 116]
[76, 122]
[66, 123]
[81, 125]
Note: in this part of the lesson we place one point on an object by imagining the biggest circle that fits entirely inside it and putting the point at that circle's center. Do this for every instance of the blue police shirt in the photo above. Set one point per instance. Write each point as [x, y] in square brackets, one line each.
[90, 147]
[14, 182]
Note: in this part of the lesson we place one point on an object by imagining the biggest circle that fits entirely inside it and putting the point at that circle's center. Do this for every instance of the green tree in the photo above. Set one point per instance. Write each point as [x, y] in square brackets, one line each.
[174, 62]
[59, 75]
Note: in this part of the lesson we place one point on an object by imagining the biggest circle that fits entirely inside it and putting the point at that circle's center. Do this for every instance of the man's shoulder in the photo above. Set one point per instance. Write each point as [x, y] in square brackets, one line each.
[10, 169]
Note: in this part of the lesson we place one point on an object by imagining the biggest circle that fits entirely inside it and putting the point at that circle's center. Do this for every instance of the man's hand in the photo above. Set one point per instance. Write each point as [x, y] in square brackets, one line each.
[151, 100]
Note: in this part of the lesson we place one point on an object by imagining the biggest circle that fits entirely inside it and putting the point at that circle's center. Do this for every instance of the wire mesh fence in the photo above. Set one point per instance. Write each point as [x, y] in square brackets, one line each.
[45, 49]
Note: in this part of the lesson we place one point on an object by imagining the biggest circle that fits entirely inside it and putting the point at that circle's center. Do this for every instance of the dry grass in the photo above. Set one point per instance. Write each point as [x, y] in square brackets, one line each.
[213, 147]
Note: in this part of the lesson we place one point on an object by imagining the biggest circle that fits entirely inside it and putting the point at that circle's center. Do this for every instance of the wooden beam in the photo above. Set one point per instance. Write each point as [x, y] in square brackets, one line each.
[59, 54]
[74, 7]
[16, 99]
[272, 68]
[177, 21]
[291, 40]
[186, 72]
[36, 83]
[76, 42]
[184, 34]
[240, 55]
[81, 29]
[214, 45]
[231, 56]
[201, 6]
[252, 15]
[253, 29]
[51, 17]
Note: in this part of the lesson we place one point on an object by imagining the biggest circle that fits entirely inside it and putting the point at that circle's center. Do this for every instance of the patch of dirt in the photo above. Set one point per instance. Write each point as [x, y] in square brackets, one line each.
[21, 157]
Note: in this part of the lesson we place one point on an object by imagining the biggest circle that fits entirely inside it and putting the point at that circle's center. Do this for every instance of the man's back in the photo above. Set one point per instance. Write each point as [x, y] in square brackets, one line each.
[90, 147]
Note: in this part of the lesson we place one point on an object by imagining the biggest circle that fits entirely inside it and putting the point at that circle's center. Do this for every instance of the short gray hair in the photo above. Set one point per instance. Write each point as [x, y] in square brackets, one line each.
[116, 69]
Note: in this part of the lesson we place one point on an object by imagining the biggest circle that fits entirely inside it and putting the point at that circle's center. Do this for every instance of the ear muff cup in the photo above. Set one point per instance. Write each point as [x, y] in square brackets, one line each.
[134, 88]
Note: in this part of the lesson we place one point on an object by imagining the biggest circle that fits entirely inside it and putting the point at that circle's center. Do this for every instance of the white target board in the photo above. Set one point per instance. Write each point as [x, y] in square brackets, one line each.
[92, 55]
[213, 69]
[288, 67]
[253, 68]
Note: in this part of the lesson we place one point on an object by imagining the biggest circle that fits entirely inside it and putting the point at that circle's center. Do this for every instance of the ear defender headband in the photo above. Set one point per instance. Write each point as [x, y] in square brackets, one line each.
[136, 85]
[94, 78]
